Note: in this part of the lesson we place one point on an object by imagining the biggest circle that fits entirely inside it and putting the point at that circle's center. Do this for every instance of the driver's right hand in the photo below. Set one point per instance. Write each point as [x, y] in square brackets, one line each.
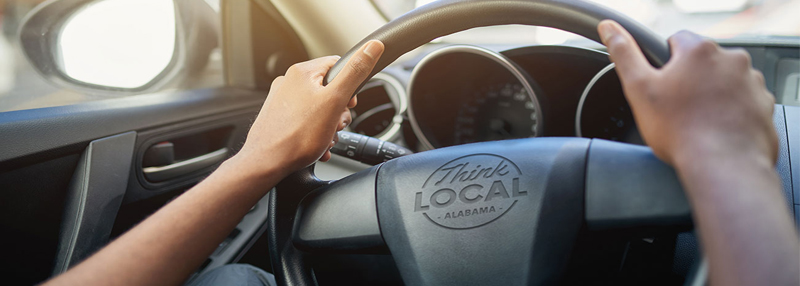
[298, 122]
[706, 103]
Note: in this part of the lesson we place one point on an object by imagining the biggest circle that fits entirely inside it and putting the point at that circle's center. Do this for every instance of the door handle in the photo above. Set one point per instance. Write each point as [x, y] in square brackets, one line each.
[163, 173]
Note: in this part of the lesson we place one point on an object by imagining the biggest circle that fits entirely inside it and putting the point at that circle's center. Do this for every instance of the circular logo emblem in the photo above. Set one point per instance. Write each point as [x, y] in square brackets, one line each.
[470, 191]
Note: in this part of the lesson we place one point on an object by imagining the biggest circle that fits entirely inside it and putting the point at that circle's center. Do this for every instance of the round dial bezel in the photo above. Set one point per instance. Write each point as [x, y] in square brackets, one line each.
[495, 57]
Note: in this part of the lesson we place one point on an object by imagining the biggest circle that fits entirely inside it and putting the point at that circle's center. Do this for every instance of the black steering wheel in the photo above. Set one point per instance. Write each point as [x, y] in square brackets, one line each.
[493, 213]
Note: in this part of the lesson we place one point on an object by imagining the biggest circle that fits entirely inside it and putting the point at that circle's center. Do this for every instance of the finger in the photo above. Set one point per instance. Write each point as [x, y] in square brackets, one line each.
[759, 76]
[314, 69]
[739, 57]
[346, 119]
[322, 65]
[358, 67]
[325, 157]
[684, 43]
[353, 102]
[276, 83]
[626, 54]
[325, 62]
[769, 100]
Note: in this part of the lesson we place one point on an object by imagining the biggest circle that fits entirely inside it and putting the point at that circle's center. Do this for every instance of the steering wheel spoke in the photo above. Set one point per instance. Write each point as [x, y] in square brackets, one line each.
[341, 217]
[628, 188]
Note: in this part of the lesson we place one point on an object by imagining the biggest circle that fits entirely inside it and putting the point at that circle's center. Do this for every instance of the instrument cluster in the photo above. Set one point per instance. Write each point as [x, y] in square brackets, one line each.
[464, 94]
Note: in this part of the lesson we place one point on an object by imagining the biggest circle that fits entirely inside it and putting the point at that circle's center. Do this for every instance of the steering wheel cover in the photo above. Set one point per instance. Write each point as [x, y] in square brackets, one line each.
[445, 17]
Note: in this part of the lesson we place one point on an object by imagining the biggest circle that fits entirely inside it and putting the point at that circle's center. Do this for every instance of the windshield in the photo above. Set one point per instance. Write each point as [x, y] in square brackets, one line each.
[720, 19]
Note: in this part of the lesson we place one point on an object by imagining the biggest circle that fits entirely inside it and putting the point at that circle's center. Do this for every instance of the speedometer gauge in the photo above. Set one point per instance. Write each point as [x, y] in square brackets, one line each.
[466, 94]
[496, 112]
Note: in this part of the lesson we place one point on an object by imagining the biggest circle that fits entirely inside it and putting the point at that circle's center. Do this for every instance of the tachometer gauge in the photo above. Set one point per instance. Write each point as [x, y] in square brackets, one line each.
[603, 111]
[496, 112]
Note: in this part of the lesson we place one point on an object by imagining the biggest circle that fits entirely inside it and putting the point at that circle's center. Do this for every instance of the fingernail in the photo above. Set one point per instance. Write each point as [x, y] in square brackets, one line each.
[373, 49]
[607, 31]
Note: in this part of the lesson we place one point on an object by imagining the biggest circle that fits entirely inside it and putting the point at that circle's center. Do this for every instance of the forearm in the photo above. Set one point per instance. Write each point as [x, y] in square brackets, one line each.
[169, 245]
[166, 247]
[744, 225]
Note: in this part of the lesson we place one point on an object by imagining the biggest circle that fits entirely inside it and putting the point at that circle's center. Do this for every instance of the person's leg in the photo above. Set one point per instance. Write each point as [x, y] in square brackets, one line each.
[235, 275]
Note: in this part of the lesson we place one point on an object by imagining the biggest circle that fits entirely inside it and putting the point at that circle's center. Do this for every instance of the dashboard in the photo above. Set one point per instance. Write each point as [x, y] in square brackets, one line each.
[462, 94]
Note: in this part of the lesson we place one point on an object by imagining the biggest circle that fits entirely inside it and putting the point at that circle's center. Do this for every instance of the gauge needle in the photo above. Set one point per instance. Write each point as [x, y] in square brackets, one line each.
[499, 126]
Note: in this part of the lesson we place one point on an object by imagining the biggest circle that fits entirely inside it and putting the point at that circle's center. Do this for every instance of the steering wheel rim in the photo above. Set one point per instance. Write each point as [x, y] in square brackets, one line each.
[449, 16]
[444, 17]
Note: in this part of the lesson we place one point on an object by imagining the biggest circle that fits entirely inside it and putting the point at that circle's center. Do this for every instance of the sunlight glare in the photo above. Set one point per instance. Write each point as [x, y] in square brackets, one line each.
[119, 43]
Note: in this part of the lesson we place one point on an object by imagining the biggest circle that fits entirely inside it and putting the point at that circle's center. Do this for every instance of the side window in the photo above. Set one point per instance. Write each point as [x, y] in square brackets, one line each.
[20, 85]
[52, 54]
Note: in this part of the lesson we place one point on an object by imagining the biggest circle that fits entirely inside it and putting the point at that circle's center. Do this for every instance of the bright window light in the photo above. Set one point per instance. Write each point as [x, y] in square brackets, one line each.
[552, 36]
[641, 11]
[119, 43]
[710, 6]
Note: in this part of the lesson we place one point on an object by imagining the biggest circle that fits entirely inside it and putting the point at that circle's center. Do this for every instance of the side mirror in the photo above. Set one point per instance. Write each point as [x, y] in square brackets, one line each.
[113, 46]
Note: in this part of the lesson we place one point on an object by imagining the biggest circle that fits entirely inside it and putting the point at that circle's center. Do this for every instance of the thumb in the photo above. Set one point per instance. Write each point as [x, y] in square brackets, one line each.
[624, 52]
[358, 67]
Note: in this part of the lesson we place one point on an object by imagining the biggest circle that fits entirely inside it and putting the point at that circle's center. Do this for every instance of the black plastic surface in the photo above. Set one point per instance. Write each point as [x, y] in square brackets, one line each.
[290, 265]
[160, 154]
[186, 134]
[792, 115]
[782, 166]
[95, 195]
[797, 215]
[441, 18]
[557, 70]
[32, 199]
[493, 213]
[628, 187]
[367, 150]
[183, 168]
[340, 217]
[451, 98]
[502, 212]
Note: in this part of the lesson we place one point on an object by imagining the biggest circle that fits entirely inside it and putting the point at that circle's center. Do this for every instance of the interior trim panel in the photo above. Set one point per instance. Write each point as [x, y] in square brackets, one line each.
[93, 199]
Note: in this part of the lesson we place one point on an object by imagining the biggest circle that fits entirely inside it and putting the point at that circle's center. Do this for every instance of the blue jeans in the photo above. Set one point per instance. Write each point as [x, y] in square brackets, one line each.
[235, 275]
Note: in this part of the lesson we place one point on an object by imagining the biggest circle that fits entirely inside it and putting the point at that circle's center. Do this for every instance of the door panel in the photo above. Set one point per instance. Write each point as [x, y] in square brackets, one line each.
[31, 205]
[46, 153]
[88, 157]
[233, 124]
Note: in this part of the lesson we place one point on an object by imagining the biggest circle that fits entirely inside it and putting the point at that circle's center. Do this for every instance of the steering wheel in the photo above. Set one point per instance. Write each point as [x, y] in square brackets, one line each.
[493, 213]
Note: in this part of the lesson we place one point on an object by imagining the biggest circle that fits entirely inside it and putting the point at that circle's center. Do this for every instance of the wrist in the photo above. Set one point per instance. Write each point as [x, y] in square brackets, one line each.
[247, 167]
[709, 150]
[709, 162]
